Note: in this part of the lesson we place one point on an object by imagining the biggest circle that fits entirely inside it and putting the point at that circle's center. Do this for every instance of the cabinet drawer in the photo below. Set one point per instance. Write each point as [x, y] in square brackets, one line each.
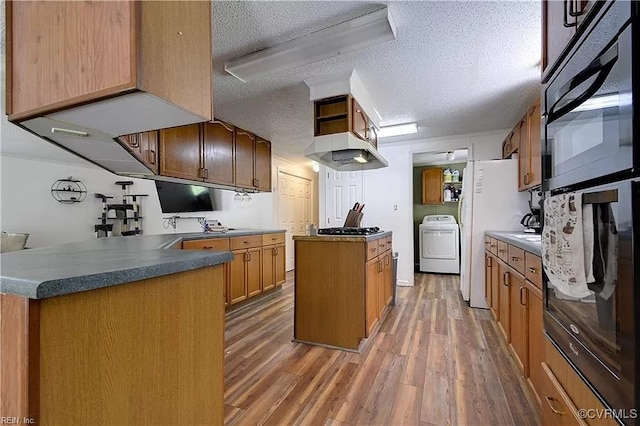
[503, 250]
[372, 249]
[493, 246]
[516, 258]
[533, 269]
[389, 241]
[249, 241]
[487, 243]
[268, 239]
[383, 245]
[210, 244]
[557, 408]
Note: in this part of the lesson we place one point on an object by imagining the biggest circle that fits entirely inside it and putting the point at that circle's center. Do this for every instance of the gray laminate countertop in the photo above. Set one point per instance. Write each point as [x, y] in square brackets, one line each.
[86, 265]
[341, 238]
[524, 240]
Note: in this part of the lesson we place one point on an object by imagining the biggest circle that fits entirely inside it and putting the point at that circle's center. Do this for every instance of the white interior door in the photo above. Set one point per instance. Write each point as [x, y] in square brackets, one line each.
[294, 209]
[342, 191]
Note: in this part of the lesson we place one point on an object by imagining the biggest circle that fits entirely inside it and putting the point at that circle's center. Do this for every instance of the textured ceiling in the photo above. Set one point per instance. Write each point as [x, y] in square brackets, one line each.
[456, 67]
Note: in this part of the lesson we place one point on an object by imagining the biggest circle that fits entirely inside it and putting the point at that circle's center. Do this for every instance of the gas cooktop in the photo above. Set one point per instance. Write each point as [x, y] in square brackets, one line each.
[349, 231]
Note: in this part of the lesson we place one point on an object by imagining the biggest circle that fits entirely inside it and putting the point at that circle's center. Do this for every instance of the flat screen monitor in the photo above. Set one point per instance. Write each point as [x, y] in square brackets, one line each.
[181, 198]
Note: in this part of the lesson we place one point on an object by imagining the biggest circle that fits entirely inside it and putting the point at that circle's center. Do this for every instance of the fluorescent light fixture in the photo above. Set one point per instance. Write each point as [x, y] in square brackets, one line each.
[398, 130]
[365, 31]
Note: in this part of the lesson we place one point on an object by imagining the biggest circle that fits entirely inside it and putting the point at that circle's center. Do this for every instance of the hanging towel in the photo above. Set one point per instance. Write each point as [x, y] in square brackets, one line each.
[563, 250]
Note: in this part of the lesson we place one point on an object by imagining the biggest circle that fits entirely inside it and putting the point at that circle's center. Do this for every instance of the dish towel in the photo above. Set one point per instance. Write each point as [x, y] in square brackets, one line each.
[563, 248]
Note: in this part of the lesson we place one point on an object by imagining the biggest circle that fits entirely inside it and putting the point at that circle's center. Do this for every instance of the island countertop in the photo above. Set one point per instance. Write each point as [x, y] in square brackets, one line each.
[86, 265]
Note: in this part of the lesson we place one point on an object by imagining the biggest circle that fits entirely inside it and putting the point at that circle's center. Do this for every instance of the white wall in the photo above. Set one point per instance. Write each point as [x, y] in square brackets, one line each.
[26, 204]
[388, 191]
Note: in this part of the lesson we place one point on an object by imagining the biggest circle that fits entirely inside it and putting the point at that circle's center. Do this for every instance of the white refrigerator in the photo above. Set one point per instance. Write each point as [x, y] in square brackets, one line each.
[490, 201]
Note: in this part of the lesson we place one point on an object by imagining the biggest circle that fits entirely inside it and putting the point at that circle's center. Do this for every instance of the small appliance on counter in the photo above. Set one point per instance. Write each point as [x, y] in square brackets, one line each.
[531, 221]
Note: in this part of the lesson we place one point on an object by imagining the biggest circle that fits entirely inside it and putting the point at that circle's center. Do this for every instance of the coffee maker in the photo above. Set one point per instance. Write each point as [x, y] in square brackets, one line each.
[531, 221]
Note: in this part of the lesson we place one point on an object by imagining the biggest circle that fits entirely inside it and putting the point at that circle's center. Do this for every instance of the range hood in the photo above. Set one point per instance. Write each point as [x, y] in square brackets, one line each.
[345, 152]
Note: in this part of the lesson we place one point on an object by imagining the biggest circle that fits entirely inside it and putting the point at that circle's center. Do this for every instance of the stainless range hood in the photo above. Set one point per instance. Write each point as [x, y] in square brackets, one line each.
[345, 152]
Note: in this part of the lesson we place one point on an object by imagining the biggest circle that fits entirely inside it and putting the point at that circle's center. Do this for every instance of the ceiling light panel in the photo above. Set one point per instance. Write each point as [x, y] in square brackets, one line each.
[398, 130]
[365, 31]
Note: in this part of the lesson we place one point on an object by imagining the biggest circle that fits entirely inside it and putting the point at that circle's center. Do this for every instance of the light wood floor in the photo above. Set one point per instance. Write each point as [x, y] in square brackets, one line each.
[434, 361]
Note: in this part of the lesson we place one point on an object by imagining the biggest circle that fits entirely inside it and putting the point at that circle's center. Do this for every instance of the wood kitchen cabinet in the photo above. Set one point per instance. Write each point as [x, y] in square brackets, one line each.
[518, 319]
[432, 189]
[561, 21]
[217, 152]
[143, 146]
[102, 63]
[181, 152]
[340, 301]
[340, 114]
[535, 338]
[529, 156]
[504, 314]
[219, 244]
[262, 165]
[245, 279]
[273, 261]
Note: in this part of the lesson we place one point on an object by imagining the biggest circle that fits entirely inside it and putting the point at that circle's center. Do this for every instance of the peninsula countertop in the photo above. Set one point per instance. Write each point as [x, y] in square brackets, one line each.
[86, 265]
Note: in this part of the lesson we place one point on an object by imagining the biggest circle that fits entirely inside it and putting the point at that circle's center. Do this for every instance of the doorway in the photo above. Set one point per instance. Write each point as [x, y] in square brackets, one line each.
[294, 209]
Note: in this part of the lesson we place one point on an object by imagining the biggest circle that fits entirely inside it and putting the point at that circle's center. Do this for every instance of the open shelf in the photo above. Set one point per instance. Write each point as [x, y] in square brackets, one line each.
[332, 116]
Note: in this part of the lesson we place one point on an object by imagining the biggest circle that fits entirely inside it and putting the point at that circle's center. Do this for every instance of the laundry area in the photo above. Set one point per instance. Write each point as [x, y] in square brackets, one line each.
[439, 244]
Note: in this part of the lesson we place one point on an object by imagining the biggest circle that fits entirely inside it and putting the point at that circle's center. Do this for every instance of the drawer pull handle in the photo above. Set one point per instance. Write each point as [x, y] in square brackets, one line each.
[554, 409]
[501, 251]
[493, 245]
[533, 270]
[207, 247]
[515, 259]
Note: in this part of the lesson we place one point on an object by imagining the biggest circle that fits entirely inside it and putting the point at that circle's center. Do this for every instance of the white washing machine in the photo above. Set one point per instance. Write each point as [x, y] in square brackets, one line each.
[440, 244]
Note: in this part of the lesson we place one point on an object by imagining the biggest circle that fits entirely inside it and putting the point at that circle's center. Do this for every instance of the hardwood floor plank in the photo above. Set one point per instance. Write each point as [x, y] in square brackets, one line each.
[433, 361]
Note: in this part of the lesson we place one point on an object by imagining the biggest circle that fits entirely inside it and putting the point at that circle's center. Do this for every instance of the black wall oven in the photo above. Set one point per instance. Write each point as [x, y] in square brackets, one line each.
[591, 208]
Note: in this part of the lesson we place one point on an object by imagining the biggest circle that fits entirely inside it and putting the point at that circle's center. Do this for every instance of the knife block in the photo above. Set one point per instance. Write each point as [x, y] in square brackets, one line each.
[353, 219]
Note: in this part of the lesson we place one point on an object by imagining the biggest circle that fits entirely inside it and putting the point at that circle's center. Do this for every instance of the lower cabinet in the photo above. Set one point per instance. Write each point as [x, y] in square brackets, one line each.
[536, 340]
[504, 298]
[379, 287]
[258, 263]
[517, 320]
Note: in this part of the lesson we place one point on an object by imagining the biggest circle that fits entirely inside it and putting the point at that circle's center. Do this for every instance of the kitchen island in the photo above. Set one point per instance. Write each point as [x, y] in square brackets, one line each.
[343, 285]
[121, 330]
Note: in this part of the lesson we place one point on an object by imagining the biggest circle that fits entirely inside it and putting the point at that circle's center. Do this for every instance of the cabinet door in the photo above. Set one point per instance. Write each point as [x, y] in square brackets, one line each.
[180, 152]
[518, 320]
[237, 277]
[557, 29]
[263, 165]
[432, 189]
[245, 152]
[536, 340]
[488, 266]
[217, 145]
[495, 288]
[504, 298]
[268, 267]
[68, 52]
[254, 274]
[280, 264]
[359, 121]
[371, 296]
[382, 301]
[388, 278]
[148, 152]
[535, 159]
[524, 156]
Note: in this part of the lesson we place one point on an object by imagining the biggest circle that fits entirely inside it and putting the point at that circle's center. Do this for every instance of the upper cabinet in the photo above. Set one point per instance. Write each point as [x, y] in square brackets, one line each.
[218, 152]
[119, 67]
[262, 168]
[143, 146]
[342, 114]
[529, 158]
[432, 181]
[561, 20]
[245, 158]
[181, 152]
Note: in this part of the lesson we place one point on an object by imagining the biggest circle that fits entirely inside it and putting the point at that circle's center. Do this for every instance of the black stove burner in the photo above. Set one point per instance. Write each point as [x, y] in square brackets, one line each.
[349, 231]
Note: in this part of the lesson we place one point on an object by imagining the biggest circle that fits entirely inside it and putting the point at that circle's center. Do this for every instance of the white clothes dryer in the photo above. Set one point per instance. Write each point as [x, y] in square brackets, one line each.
[439, 244]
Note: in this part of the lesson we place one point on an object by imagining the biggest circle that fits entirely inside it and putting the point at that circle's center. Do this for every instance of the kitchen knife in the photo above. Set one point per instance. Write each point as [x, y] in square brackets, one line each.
[360, 208]
[355, 207]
